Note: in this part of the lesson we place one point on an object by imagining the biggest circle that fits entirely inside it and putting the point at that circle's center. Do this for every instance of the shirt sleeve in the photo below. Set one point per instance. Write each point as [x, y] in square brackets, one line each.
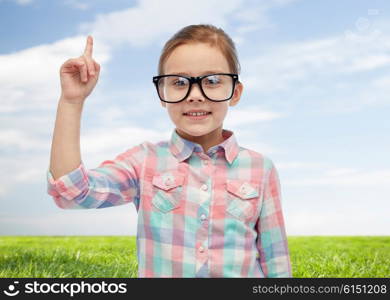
[114, 182]
[272, 239]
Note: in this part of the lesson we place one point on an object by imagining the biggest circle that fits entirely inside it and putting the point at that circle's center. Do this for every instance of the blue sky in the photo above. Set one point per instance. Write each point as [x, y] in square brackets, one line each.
[316, 101]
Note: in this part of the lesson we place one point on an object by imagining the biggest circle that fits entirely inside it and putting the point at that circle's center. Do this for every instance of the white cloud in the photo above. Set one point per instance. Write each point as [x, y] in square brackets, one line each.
[298, 175]
[262, 148]
[381, 82]
[341, 172]
[132, 25]
[253, 16]
[344, 177]
[330, 74]
[20, 139]
[2, 191]
[309, 222]
[20, 169]
[248, 115]
[251, 19]
[29, 79]
[282, 66]
[301, 165]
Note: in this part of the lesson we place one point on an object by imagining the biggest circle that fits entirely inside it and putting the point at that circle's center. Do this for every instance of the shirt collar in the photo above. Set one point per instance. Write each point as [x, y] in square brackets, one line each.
[182, 148]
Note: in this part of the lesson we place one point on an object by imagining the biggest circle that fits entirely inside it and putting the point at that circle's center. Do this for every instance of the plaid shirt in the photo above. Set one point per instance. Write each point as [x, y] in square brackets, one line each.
[214, 214]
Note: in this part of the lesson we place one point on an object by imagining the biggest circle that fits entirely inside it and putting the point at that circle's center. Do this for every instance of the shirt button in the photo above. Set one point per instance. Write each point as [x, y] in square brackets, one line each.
[201, 249]
[243, 191]
[168, 181]
[204, 187]
[206, 162]
[203, 217]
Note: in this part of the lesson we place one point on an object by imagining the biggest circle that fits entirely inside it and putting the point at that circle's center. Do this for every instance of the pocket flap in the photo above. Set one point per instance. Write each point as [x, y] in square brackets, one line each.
[242, 188]
[168, 180]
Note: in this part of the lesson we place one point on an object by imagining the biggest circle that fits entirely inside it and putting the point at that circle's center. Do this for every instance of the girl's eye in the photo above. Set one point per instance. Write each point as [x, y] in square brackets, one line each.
[213, 80]
[179, 82]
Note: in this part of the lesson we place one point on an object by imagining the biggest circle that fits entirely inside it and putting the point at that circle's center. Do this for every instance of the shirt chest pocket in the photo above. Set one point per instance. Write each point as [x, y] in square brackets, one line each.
[243, 199]
[167, 190]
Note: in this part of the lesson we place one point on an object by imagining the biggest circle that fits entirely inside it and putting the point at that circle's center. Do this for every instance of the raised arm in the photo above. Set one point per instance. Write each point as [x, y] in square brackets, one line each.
[113, 182]
[78, 78]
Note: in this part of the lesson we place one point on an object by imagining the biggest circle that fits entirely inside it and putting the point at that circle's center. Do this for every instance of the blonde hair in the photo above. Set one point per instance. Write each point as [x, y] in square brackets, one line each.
[202, 33]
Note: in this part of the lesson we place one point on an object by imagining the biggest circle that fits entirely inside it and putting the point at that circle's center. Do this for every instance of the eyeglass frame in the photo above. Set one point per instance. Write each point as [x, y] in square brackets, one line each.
[197, 80]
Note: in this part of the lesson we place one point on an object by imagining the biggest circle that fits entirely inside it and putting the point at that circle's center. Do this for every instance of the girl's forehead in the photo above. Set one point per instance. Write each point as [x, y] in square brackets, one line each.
[195, 59]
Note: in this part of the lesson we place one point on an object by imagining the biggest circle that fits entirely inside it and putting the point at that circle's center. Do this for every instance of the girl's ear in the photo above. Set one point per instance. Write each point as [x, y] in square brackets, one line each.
[237, 94]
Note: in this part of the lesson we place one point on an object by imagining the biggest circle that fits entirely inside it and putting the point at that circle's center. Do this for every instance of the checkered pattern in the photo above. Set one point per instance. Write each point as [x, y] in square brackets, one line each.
[214, 214]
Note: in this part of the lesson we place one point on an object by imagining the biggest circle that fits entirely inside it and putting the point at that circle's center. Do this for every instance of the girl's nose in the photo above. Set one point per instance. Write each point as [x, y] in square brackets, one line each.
[195, 93]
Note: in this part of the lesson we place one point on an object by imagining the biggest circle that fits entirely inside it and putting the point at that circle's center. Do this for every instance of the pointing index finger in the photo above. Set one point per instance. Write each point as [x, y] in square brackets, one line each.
[88, 46]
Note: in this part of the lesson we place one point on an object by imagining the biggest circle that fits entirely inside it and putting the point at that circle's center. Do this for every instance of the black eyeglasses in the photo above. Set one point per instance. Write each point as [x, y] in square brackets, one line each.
[174, 88]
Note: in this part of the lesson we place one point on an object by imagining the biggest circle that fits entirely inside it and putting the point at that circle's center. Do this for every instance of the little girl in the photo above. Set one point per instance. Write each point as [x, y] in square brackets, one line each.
[207, 207]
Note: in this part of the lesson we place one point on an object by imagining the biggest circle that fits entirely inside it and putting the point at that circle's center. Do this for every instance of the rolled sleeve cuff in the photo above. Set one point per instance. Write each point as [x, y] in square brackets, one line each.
[70, 185]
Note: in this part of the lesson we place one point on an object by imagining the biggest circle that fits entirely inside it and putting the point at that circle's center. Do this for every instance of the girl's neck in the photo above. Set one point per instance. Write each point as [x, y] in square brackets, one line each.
[206, 141]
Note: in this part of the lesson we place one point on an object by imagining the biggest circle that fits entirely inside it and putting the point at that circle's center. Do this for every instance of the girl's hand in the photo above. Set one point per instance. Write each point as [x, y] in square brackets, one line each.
[79, 76]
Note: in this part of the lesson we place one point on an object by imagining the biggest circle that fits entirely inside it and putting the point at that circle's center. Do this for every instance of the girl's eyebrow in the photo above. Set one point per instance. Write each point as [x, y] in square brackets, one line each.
[203, 73]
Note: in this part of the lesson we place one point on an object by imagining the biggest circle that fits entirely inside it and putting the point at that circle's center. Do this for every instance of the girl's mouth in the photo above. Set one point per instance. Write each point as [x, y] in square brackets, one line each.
[197, 116]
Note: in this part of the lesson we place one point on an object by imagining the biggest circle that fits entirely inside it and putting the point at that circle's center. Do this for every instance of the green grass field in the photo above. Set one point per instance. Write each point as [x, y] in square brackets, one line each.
[115, 256]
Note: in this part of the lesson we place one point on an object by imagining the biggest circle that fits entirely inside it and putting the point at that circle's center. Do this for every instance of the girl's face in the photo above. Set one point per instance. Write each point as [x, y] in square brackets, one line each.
[198, 59]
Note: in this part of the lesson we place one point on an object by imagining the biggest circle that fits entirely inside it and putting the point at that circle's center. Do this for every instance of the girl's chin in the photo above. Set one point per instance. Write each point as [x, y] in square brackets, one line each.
[195, 131]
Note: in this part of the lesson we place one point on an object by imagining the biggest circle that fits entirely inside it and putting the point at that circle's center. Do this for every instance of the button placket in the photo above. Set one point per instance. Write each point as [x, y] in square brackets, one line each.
[208, 167]
[204, 221]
